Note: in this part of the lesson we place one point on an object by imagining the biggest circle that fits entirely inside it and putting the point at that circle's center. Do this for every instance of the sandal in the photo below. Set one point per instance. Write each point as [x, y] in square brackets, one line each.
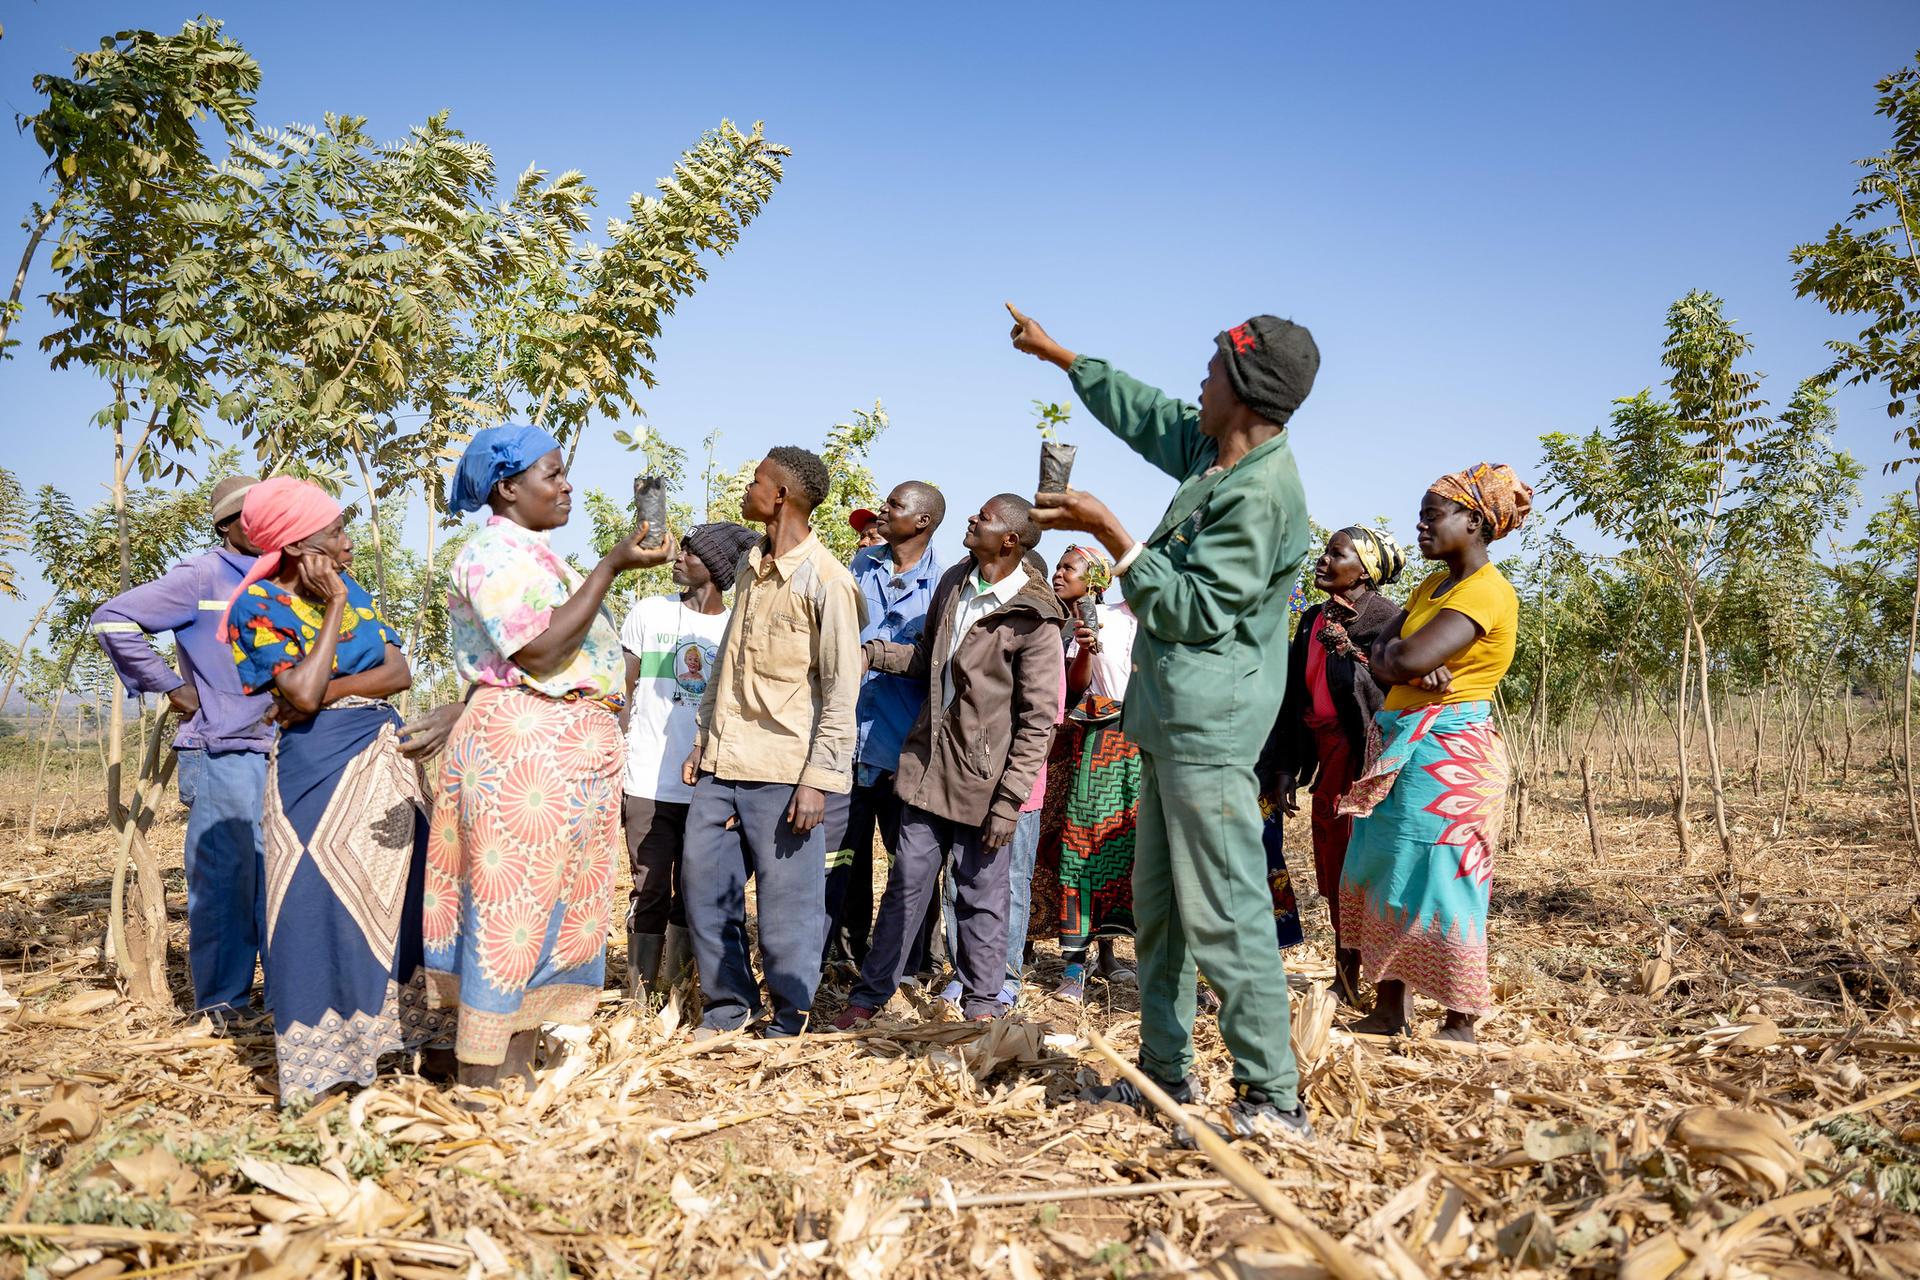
[1073, 985]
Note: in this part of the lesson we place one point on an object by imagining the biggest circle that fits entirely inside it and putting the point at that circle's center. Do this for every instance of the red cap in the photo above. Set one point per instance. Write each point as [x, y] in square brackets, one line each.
[860, 518]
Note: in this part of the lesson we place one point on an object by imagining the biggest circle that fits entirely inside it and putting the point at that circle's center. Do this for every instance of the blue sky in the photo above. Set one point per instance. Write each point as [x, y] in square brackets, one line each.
[1481, 211]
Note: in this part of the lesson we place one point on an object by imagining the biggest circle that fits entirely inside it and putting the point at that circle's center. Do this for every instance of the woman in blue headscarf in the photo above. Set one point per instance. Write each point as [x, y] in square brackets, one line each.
[526, 822]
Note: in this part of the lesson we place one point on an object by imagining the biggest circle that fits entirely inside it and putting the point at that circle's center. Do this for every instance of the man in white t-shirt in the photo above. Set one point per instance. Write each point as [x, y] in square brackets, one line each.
[671, 643]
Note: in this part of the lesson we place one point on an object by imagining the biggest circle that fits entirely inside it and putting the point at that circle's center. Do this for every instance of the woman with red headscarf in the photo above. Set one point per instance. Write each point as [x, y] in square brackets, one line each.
[345, 819]
[1419, 868]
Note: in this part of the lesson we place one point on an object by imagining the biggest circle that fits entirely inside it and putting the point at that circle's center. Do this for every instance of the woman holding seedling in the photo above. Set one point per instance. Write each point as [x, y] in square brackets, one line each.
[1326, 720]
[1419, 868]
[526, 822]
[1096, 853]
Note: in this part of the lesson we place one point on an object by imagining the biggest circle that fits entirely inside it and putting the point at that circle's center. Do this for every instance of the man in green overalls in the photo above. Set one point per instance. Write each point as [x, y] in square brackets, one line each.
[1209, 586]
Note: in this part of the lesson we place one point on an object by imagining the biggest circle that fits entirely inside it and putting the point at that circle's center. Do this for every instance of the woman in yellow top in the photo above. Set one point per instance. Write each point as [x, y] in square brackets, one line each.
[1419, 868]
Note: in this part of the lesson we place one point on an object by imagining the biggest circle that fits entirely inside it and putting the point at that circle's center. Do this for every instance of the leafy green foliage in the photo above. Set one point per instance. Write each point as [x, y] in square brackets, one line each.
[845, 453]
[129, 172]
[14, 518]
[1868, 264]
[1052, 417]
[356, 307]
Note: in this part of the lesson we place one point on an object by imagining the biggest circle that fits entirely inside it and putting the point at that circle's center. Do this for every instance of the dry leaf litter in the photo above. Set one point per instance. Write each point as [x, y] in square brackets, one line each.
[1690, 1075]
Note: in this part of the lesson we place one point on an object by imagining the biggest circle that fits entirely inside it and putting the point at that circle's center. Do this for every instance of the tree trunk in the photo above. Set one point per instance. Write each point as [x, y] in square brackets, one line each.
[1715, 776]
[1586, 798]
[1906, 710]
[1846, 727]
[373, 520]
[20, 276]
[425, 603]
[40, 774]
[117, 722]
[1682, 822]
[73, 772]
[137, 930]
[1523, 791]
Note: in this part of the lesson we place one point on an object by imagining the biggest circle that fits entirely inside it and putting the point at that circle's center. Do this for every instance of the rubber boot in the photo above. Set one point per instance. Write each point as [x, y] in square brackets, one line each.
[643, 964]
[676, 960]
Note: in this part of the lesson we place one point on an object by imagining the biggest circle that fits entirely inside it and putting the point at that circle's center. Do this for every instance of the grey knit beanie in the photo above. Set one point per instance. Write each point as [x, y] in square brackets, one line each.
[720, 546]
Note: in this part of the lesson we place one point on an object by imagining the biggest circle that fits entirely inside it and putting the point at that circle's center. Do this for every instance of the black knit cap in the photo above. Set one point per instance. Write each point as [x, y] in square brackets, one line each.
[720, 546]
[1271, 363]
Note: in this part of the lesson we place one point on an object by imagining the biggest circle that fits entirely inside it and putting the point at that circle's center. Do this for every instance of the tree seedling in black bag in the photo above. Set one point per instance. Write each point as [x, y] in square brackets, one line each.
[1056, 459]
[650, 507]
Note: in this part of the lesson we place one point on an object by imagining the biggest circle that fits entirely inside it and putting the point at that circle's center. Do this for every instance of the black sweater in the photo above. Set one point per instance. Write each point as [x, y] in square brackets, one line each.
[1290, 747]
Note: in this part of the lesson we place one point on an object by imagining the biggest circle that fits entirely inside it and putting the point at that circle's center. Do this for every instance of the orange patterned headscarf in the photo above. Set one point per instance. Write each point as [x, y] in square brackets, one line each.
[1502, 498]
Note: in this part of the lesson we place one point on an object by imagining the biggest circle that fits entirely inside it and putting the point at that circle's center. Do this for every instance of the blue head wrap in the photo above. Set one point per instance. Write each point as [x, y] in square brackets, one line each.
[494, 454]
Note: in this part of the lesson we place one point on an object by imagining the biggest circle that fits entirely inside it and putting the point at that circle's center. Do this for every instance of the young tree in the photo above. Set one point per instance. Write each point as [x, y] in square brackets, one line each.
[132, 182]
[845, 453]
[1868, 265]
[13, 533]
[1663, 477]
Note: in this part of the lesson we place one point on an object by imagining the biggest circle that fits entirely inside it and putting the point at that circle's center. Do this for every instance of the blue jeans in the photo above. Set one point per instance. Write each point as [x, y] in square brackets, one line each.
[1022, 851]
[790, 882]
[226, 873]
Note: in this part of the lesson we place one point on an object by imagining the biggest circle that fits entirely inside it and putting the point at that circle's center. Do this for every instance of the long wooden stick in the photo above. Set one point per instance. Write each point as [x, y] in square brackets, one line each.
[1249, 1181]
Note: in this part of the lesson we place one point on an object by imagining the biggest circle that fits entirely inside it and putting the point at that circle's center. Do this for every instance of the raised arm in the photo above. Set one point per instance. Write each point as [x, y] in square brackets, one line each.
[567, 625]
[303, 686]
[1164, 431]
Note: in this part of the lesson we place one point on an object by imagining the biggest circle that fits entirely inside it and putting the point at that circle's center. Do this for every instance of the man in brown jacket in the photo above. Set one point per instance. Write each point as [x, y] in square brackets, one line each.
[991, 658]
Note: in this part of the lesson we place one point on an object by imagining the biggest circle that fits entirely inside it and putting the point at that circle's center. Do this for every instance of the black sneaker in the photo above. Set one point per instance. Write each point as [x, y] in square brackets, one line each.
[1123, 1092]
[1253, 1114]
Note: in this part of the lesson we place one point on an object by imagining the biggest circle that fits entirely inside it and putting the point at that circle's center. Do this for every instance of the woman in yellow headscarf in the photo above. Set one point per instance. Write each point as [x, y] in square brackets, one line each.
[1427, 808]
[1320, 739]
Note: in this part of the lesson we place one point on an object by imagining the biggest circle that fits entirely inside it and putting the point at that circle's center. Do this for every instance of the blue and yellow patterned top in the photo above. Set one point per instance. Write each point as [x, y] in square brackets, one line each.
[274, 629]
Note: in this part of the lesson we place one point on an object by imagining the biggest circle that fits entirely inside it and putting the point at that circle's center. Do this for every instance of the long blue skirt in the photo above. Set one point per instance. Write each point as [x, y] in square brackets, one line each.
[346, 836]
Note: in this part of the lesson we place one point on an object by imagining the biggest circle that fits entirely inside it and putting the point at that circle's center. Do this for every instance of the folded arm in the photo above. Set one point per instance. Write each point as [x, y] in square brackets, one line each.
[392, 676]
[1398, 659]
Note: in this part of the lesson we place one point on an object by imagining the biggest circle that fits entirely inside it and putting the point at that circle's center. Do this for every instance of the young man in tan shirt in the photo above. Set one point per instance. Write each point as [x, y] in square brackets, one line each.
[775, 736]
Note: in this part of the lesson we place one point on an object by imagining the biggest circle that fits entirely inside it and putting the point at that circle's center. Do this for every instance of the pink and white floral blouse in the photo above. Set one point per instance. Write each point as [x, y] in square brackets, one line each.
[506, 583]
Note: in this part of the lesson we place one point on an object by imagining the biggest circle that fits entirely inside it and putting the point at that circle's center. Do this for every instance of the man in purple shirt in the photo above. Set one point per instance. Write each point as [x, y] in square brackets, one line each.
[223, 744]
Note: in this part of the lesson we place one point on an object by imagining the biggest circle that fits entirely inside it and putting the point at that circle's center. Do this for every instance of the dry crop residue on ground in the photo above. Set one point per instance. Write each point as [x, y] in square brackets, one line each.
[1689, 1076]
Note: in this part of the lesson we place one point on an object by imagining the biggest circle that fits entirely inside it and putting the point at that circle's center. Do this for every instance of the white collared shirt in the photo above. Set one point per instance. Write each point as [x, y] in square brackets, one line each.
[975, 600]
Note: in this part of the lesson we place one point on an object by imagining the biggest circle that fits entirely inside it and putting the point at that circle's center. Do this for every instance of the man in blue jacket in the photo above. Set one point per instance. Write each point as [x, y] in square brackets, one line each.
[896, 581]
[223, 744]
